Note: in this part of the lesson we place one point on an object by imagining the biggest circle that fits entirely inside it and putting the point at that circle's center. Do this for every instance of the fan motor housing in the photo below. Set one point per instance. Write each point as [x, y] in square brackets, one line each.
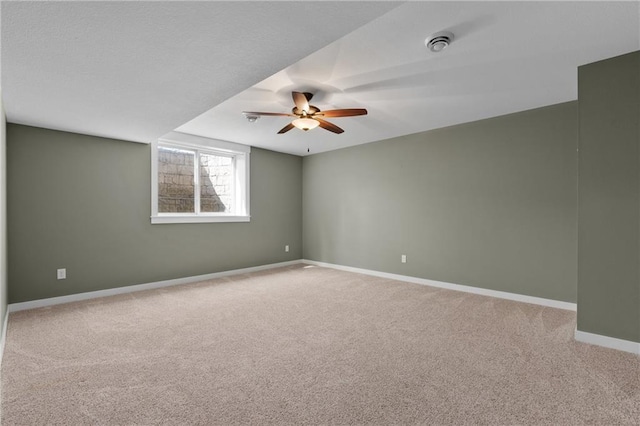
[312, 110]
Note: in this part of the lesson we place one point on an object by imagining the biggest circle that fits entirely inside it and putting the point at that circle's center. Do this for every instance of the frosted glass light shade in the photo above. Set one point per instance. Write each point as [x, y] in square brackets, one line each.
[305, 123]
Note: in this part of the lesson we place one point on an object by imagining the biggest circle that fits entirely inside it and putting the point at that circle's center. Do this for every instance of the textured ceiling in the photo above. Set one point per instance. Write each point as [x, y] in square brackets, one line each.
[136, 70]
[506, 57]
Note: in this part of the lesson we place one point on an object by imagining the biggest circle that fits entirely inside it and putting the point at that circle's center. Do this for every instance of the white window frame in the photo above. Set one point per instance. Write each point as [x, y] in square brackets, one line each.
[241, 155]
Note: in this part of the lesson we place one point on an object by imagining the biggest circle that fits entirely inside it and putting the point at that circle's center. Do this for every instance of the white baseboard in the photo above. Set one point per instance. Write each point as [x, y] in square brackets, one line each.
[32, 304]
[457, 287]
[607, 342]
[3, 338]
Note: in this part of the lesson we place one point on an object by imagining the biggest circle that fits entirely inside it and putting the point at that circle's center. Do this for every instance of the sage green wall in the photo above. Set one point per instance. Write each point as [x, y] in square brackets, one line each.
[83, 203]
[609, 198]
[490, 204]
[3, 218]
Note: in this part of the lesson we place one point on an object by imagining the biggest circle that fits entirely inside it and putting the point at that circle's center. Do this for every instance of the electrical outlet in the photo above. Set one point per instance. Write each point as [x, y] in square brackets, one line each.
[62, 274]
[403, 258]
[286, 248]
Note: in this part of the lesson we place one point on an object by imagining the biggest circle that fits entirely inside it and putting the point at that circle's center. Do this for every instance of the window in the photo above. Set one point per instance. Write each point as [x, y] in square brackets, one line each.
[196, 179]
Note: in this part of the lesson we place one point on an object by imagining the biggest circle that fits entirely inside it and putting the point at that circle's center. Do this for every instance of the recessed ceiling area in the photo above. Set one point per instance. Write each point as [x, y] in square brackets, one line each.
[136, 71]
[505, 57]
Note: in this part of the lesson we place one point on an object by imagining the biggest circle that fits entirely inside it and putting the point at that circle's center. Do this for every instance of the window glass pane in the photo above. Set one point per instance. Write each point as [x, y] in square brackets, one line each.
[175, 180]
[216, 184]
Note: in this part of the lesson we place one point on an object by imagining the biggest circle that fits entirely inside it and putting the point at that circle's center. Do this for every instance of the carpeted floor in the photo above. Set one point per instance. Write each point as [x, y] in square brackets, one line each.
[309, 345]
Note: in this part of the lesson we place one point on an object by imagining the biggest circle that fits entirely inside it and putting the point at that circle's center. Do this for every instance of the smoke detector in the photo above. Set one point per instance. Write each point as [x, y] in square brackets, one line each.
[439, 41]
[251, 118]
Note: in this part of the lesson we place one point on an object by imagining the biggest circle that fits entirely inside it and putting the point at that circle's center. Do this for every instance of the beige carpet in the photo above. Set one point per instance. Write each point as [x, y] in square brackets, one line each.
[309, 346]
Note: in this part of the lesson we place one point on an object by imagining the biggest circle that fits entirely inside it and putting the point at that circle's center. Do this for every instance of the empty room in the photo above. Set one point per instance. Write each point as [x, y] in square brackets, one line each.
[320, 212]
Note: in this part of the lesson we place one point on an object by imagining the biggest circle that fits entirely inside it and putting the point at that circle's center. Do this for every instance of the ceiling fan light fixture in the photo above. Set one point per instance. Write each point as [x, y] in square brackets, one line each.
[305, 123]
[305, 115]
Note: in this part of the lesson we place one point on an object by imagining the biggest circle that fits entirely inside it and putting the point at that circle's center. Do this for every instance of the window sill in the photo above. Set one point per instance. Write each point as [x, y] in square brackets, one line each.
[197, 219]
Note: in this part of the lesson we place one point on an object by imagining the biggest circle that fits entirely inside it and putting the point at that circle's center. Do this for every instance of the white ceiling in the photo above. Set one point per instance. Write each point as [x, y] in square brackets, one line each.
[135, 71]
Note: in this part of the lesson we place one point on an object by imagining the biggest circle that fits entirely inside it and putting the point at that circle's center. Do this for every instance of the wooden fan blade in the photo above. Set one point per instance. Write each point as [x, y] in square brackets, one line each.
[328, 126]
[347, 112]
[286, 128]
[277, 114]
[300, 100]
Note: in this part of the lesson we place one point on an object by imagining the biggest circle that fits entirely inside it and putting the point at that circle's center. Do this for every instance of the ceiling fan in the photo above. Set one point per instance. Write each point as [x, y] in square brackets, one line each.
[308, 116]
